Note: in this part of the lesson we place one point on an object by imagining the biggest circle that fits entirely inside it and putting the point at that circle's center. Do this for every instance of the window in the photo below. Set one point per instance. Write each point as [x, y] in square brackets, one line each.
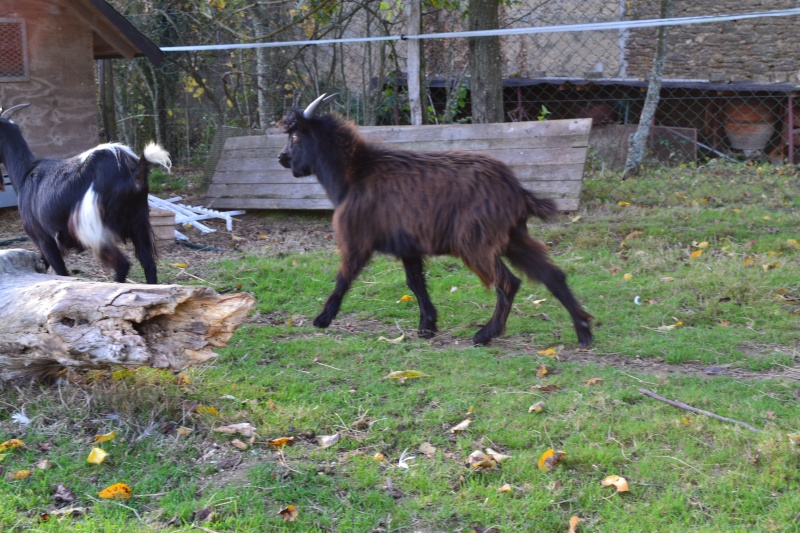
[13, 50]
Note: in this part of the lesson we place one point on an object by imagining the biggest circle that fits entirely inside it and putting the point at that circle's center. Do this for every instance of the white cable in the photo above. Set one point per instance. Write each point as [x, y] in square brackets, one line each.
[596, 26]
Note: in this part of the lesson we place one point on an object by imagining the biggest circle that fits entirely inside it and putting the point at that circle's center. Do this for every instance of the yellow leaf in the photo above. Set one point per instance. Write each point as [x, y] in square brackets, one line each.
[405, 298]
[575, 219]
[207, 410]
[19, 475]
[574, 521]
[623, 204]
[461, 426]
[767, 217]
[541, 371]
[593, 381]
[550, 352]
[96, 456]
[182, 431]
[119, 375]
[627, 277]
[536, 408]
[769, 266]
[406, 374]
[632, 235]
[469, 411]
[239, 444]
[749, 261]
[793, 243]
[480, 461]
[550, 459]
[117, 491]
[182, 379]
[289, 513]
[11, 444]
[396, 340]
[3, 456]
[703, 245]
[281, 442]
[497, 456]
[105, 438]
[696, 254]
[616, 481]
[379, 457]
[179, 265]
[504, 489]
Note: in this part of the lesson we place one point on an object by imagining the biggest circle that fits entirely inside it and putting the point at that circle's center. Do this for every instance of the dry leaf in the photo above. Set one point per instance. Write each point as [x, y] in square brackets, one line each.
[627, 277]
[327, 441]
[547, 388]
[406, 374]
[623, 204]
[19, 475]
[633, 235]
[96, 456]
[11, 444]
[427, 448]
[593, 381]
[617, 481]
[379, 457]
[794, 438]
[405, 298]
[462, 426]
[669, 327]
[105, 438]
[575, 219]
[182, 431]
[206, 410]
[118, 491]
[505, 489]
[703, 245]
[239, 444]
[179, 265]
[573, 524]
[480, 461]
[44, 464]
[182, 379]
[536, 408]
[695, 254]
[497, 456]
[541, 371]
[550, 459]
[3, 456]
[396, 340]
[245, 429]
[281, 442]
[551, 352]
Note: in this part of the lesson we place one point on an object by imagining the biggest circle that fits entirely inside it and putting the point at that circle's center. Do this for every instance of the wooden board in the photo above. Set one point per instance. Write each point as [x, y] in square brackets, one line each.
[548, 157]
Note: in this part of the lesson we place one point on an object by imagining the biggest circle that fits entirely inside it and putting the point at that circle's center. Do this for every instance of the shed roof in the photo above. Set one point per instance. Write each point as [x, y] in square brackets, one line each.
[113, 35]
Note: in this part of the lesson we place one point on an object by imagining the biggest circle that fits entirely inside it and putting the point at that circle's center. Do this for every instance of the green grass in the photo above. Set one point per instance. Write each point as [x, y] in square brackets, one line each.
[737, 303]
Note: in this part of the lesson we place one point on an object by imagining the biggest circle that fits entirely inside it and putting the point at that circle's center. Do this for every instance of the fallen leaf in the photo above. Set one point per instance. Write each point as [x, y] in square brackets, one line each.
[379, 457]
[427, 448]
[547, 388]
[182, 379]
[480, 461]
[627, 277]
[3, 456]
[11, 444]
[105, 438]
[669, 327]
[207, 410]
[623, 204]
[281, 442]
[326, 441]
[117, 491]
[44, 464]
[550, 352]
[182, 431]
[617, 481]
[505, 489]
[406, 374]
[541, 371]
[239, 444]
[550, 459]
[205, 514]
[63, 495]
[396, 340]
[593, 381]
[96, 456]
[405, 298]
[703, 245]
[462, 426]
[794, 438]
[695, 254]
[538, 407]
[575, 219]
[632, 235]
[497, 456]
[573, 524]
[179, 265]
[19, 475]
[770, 266]
[245, 429]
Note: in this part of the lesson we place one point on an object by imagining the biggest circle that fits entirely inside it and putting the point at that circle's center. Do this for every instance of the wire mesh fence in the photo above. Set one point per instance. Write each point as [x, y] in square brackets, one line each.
[730, 88]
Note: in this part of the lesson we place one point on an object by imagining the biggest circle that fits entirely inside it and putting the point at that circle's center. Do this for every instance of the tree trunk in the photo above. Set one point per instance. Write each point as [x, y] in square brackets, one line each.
[485, 63]
[638, 141]
[50, 322]
[415, 74]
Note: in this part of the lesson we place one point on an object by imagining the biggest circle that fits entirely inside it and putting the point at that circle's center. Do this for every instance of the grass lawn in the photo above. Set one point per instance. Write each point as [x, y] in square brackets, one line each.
[693, 275]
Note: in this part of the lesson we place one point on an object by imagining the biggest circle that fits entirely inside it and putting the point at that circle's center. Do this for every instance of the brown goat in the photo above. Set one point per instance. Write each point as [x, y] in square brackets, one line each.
[418, 204]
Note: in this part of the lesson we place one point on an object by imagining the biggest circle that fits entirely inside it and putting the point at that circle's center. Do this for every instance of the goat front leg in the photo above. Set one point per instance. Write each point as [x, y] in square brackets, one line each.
[348, 270]
[506, 286]
[415, 278]
[145, 252]
[112, 257]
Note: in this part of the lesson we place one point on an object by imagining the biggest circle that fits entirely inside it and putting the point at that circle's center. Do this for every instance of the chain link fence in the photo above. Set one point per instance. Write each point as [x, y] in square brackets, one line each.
[730, 89]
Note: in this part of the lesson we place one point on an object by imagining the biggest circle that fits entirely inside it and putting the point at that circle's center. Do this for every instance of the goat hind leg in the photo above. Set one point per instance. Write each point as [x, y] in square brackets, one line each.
[146, 253]
[415, 278]
[348, 270]
[52, 256]
[506, 286]
[112, 257]
[531, 257]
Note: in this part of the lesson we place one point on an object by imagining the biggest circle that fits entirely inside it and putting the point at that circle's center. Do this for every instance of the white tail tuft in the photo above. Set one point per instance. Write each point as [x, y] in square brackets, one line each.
[157, 155]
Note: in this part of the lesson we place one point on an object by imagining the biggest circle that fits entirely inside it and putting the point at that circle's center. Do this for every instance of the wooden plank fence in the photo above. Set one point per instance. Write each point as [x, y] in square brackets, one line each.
[547, 156]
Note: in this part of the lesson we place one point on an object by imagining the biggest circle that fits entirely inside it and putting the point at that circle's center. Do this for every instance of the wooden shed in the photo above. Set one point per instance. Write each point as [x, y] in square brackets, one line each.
[48, 50]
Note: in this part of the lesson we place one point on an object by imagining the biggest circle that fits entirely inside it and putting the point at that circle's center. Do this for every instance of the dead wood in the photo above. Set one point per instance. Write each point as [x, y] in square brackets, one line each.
[681, 405]
[49, 322]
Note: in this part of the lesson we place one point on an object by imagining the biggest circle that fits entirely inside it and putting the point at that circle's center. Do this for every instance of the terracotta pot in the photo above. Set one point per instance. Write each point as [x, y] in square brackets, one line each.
[750, 124]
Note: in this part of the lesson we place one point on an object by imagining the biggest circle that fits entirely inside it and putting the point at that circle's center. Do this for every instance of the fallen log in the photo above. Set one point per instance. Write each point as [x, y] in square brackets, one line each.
[49, 322]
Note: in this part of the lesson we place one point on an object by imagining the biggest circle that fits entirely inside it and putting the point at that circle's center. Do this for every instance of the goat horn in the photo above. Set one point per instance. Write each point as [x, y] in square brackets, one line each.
[11, 110]
[322, 100]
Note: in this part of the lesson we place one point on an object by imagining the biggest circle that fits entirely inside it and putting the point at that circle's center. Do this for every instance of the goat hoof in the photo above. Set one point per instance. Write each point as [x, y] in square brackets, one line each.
[426, 333]
[480, 340]
[322, 322]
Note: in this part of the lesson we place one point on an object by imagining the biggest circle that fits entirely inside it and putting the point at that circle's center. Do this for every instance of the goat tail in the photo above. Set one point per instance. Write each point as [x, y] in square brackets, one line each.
[543, 208]
[155, 154]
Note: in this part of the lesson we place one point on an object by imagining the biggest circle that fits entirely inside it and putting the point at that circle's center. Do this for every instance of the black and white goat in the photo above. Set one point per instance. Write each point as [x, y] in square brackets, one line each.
[92, 201]
[417, 204]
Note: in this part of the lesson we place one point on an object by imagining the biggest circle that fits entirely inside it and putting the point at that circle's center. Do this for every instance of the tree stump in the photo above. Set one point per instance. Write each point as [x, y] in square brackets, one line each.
[49, 322]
